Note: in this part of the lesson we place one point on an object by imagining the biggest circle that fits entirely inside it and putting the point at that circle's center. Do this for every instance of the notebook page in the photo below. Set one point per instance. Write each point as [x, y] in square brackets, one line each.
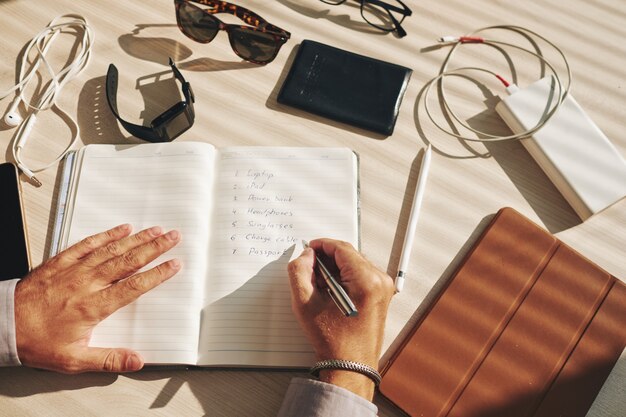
[267, 201]
[146, 185]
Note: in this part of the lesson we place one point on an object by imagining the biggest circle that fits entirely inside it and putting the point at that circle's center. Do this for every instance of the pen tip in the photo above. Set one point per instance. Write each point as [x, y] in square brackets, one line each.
[305, 243]
[399, 283]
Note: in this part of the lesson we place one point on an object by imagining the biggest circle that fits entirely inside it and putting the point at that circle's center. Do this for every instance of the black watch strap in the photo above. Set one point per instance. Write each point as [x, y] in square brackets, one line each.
[142, 132]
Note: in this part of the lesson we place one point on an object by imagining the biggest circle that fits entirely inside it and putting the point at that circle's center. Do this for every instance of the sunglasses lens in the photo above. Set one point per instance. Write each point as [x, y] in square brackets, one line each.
[196, 23]
[254, 45]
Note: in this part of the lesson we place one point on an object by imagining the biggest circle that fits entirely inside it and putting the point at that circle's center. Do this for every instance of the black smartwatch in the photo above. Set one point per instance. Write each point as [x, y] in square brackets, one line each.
[165, 127]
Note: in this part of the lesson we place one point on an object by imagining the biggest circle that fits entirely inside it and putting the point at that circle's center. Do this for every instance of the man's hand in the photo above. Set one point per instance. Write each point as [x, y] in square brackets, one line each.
[333, 335]
[58, 304]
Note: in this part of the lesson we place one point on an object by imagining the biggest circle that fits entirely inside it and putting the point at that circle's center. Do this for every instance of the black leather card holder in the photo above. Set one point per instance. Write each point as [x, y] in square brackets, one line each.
[346, 87]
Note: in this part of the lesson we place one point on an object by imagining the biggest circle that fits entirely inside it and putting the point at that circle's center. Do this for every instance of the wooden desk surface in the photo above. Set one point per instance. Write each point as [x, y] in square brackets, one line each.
[236, 105]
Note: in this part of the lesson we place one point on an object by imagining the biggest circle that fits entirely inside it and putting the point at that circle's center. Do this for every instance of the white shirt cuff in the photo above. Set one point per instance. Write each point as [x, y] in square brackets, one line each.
[309, 398]
[8, 348]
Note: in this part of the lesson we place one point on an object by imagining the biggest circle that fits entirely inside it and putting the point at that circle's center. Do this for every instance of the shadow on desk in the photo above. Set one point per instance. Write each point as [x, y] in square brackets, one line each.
[219, 392]
[224, 392]
[527, 176]
[96, 122]
[24, 382]
[160, 49]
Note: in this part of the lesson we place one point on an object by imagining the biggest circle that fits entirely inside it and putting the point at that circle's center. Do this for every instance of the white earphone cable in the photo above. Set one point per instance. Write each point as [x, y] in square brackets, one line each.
[472, 38]
[42, 42]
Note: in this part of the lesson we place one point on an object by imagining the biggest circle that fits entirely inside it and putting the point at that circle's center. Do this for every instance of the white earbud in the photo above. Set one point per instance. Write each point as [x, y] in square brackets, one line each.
[13, 118]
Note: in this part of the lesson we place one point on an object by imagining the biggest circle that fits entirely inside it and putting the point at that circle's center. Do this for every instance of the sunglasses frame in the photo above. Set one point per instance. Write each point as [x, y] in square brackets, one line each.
[256, 22]
[397, 24]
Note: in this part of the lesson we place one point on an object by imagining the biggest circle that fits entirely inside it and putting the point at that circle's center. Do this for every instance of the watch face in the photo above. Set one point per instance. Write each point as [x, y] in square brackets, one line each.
[177, 125]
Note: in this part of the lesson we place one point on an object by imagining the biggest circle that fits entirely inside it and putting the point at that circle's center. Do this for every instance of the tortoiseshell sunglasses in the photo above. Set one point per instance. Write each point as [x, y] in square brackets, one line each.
[258, 43]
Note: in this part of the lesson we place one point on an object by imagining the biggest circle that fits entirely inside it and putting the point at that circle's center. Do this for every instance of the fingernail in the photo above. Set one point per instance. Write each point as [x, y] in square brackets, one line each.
[134, 363]
[155, 231]
[173, 235]
[175, 264]
[124, 227]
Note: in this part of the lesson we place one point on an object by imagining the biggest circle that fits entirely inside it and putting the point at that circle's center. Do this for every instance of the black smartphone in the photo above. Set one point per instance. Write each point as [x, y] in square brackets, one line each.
[14, 259]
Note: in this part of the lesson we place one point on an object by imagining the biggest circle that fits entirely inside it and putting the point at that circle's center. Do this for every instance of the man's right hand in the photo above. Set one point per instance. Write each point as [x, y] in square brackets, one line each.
[58, 304]
[333, 335]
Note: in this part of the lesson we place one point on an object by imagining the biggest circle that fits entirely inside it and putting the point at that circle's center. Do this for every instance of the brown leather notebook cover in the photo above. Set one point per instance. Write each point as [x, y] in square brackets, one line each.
[525, 327]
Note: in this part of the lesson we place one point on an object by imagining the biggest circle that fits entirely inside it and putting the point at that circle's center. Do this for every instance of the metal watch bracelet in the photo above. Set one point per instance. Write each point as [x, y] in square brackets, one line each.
[346, 365]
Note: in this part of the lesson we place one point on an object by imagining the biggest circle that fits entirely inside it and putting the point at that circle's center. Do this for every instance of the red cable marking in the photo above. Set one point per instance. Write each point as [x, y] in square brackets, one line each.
[502, 80]
[471, 39]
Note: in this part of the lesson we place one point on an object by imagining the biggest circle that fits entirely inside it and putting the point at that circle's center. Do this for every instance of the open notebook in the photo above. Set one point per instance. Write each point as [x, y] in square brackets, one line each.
[241, 212]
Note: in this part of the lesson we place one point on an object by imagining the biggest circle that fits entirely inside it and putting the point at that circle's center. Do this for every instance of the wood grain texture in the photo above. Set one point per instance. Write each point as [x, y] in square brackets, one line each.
[236, 105]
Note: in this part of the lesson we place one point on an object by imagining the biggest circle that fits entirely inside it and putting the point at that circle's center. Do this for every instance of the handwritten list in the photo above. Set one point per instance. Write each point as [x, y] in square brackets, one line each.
[267, 201]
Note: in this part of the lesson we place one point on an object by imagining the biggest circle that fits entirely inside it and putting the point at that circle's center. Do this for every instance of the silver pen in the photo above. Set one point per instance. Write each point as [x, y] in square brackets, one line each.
[336, 291]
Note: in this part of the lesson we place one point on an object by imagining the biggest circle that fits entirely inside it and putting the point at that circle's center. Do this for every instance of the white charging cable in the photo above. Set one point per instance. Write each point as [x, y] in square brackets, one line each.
[42, 42]
[473, 38]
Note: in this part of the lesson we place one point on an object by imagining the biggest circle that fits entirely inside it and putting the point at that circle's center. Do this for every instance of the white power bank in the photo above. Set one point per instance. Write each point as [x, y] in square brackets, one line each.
[573, 152]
